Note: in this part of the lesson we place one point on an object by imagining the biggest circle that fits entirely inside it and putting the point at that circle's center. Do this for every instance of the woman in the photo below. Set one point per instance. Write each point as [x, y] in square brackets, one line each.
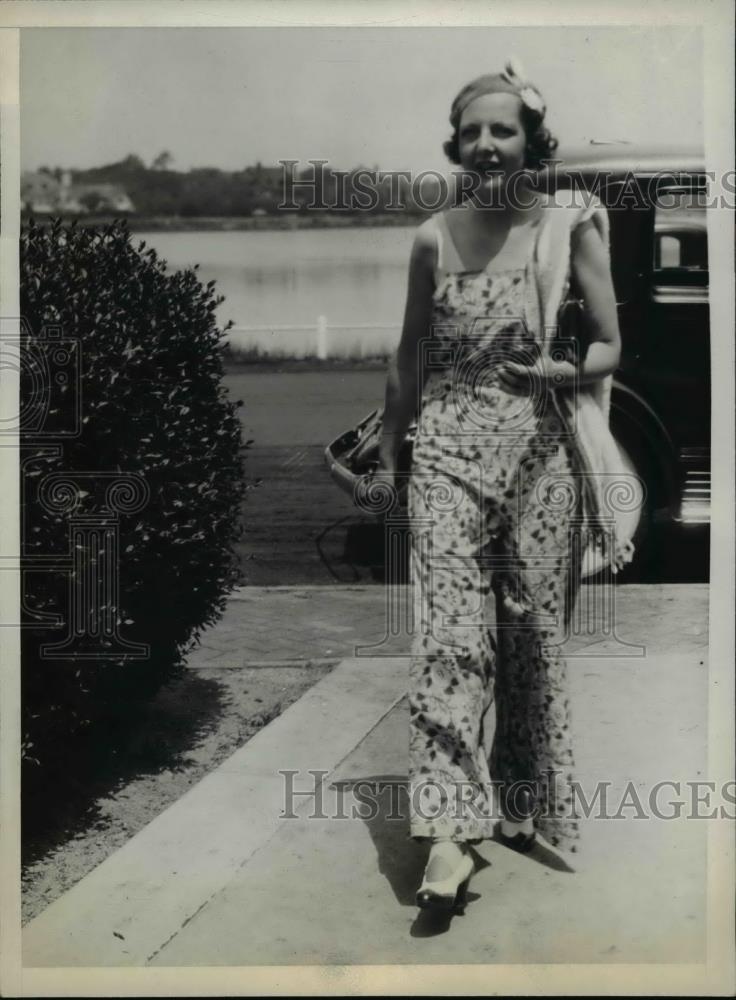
[494, 485]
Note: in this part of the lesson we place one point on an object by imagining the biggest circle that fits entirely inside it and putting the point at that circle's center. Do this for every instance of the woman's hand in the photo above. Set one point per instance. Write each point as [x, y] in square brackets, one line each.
[385, 472]
[536, 379]
[379, 490]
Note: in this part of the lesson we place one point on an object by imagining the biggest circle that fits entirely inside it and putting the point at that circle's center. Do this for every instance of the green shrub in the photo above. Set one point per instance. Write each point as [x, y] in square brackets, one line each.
[153, 405]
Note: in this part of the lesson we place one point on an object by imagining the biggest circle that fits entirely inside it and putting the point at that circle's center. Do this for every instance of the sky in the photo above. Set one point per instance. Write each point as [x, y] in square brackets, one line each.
[376, 97]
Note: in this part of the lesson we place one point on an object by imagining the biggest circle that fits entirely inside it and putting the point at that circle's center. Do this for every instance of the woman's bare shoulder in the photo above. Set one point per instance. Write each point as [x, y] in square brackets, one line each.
[426, 232]
[424, 248]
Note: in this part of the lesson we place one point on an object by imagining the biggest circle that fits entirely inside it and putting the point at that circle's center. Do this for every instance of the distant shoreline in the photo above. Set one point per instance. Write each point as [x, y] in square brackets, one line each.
[285, 364]
[247, 223]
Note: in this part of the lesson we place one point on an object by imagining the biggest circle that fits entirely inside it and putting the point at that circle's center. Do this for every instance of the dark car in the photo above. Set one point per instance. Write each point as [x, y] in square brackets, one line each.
[660, 401]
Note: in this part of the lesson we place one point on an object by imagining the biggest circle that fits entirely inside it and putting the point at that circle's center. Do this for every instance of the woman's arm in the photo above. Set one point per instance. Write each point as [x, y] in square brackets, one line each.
[592, 271]
[402, 383]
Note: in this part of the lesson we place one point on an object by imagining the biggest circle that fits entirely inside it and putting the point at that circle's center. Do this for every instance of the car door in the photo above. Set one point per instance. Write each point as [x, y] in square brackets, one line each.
[631, 221]
[676, 352]
[660, 271]
[678, 355]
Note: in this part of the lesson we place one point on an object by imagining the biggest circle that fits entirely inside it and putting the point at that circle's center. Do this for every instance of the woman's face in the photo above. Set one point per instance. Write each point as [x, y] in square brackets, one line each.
[491, 138]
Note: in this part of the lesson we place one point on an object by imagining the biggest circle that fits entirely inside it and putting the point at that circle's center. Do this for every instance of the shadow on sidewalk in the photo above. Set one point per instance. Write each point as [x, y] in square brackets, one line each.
[381, 801]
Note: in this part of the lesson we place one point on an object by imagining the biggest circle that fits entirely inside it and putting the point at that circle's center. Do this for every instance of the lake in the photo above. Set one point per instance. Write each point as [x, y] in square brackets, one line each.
[354, 277]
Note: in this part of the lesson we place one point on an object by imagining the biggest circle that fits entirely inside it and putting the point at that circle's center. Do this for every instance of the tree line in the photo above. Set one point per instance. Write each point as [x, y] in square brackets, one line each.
[160, 190]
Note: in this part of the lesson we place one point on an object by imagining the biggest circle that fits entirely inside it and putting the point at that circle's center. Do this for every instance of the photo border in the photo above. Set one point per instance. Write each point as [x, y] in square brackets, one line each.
[716, 977]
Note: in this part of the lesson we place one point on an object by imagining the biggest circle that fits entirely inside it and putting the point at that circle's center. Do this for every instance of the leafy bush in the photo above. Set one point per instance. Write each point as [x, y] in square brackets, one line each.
[152, 404]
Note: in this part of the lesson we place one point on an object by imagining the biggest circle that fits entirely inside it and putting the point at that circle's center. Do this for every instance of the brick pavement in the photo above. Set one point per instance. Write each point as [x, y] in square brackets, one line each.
[291, 625]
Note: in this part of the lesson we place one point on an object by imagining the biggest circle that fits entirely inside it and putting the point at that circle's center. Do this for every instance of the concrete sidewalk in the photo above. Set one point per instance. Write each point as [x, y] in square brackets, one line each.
[221, 879]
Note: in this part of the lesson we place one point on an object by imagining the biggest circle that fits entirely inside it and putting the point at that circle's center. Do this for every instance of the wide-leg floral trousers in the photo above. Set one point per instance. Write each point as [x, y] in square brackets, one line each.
[491, 515]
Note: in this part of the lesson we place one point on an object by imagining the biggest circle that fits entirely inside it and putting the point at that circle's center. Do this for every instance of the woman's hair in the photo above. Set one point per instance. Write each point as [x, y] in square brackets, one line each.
[540, 143]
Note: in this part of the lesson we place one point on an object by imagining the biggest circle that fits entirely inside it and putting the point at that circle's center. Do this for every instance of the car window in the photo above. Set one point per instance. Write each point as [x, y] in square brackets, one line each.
[681, 243]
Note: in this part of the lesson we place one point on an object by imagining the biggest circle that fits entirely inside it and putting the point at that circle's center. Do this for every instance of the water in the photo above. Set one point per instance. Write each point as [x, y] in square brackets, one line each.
[355, 277]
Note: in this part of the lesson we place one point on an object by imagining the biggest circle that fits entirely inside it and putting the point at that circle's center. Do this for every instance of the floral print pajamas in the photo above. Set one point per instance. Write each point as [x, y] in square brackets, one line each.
[491, 503]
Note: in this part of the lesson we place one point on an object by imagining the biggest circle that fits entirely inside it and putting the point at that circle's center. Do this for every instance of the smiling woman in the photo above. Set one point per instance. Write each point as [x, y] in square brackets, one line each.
[539, 144]
[495, 480]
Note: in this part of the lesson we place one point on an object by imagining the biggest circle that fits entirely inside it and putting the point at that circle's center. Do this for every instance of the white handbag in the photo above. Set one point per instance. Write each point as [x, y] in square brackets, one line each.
[612, 492]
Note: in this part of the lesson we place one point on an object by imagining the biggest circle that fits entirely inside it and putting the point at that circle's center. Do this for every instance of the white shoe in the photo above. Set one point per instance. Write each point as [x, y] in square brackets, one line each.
[447, 893]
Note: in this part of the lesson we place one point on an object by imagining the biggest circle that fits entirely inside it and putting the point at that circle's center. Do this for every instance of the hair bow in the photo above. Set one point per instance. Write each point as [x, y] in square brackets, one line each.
[513, 73]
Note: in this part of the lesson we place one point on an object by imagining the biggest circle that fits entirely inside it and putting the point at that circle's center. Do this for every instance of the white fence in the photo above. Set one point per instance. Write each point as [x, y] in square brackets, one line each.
[320, 340]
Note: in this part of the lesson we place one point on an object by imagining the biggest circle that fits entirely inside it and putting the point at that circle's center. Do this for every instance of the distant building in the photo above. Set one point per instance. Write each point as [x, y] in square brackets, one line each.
[39, 191]
[42, 192]
[96, 198]
[68, 202]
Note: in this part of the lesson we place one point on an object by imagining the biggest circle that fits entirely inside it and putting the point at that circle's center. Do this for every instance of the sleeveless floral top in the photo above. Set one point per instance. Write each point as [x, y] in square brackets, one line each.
[479, 318]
